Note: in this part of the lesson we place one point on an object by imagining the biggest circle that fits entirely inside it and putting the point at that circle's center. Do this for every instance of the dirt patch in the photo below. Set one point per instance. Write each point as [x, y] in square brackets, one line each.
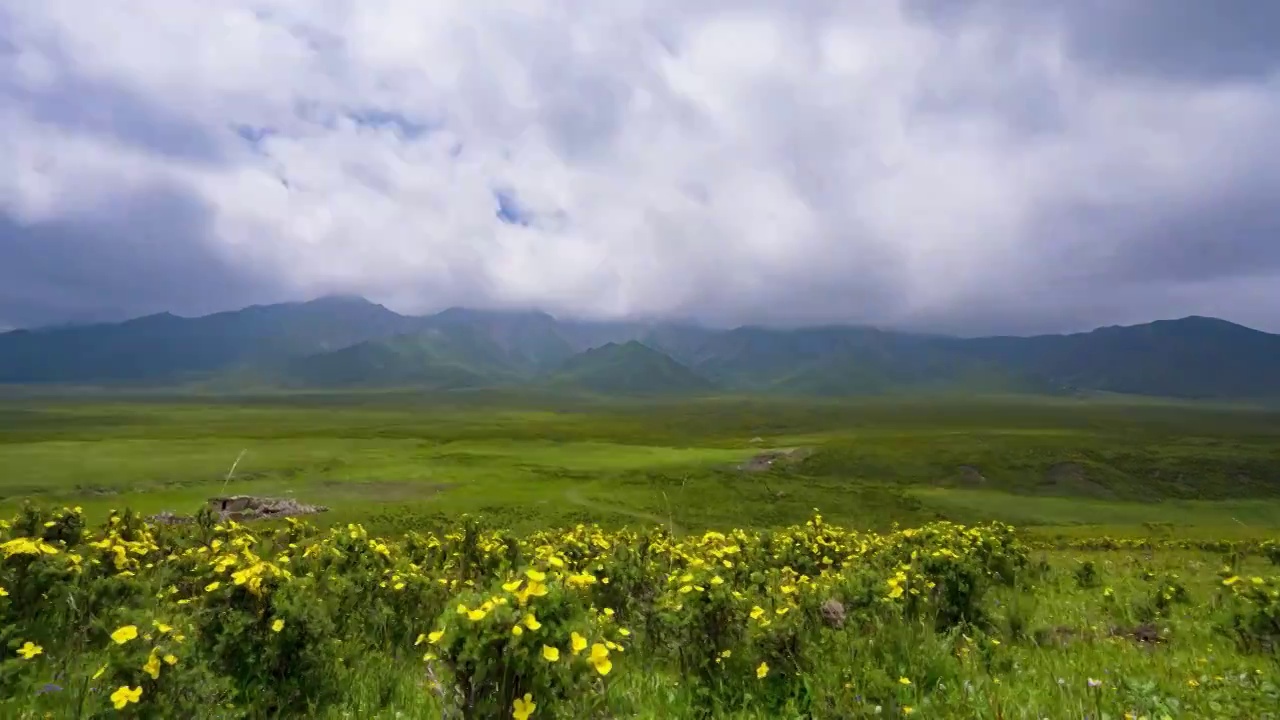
[1071, 478]
[773, 458]
[245, 507]
[1145, 634]
[382, 490]
[1061, 635]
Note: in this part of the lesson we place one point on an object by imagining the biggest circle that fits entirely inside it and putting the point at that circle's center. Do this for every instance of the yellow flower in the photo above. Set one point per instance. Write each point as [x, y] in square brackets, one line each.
[125, 695]
[512, 586]
[476, 615]
[756, 612]
[600, 659]
[535, 576]
[577, 643]
[29, 650]
[3, 592]
[152, 667]
[762, 670]
[531, 622]
[161, 627]
[277, 626]
[171, 659]
[903, 681]
[125, 634]
[523, 707]
[907, 709]
[550, 654]
[212, 586]
[434, 636]
[517, 631]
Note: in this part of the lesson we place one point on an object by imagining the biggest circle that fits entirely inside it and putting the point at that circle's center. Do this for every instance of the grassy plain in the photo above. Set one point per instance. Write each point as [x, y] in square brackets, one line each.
[1164, 628]
[397, 460]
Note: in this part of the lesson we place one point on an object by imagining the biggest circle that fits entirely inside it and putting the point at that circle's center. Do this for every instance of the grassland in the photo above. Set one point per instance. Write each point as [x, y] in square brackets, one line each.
[1141, 581]
[398, 460]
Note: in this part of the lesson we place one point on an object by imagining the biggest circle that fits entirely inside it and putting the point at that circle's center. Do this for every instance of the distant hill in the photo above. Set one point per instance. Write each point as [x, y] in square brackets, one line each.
[630, 368]
[1195, 357]
[166, 348]
[524, 341]
[350, 342]
[441, 358]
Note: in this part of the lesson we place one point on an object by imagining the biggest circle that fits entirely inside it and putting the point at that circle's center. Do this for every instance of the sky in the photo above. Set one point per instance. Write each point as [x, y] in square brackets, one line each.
[963, 166]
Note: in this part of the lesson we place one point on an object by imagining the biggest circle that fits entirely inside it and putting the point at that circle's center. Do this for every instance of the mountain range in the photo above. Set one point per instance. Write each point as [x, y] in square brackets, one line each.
[349, 342]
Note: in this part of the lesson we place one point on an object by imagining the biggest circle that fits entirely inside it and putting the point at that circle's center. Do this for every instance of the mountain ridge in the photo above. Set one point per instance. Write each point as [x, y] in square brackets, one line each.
[348, 341]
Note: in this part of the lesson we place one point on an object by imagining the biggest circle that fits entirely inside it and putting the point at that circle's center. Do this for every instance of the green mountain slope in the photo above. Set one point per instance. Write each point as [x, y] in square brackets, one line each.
[526, 341]
[630, 368]
[1195, 357]
[350, 342]
[442, 358]
[165, 348]
[850, 361]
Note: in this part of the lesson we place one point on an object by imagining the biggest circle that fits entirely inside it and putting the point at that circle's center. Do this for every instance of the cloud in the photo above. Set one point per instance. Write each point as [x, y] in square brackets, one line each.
[141, 251]
[967, 166]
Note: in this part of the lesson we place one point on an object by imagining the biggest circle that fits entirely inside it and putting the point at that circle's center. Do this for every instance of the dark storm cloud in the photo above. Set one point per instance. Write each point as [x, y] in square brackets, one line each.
[66, 97]
[80, 105]
[1188, 40]
[1191, 40]
[1233, 236]
[144, 253]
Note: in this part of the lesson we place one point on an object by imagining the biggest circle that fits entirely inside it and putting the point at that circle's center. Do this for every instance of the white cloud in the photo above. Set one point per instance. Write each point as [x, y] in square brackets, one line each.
[739, 161]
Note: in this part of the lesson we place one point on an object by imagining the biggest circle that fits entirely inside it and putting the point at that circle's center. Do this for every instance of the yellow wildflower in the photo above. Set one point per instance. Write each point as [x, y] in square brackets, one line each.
[600, 659]
[125, 695]
[29, 650]
[523, 707]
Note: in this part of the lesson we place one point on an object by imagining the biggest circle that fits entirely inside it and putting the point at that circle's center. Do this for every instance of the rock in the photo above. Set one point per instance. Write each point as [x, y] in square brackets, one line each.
[833, 613]
[167, 517]
[244, 507]
[247, 507]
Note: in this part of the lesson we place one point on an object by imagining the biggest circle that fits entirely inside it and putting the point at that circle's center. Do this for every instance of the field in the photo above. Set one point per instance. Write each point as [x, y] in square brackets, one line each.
[1139, 578]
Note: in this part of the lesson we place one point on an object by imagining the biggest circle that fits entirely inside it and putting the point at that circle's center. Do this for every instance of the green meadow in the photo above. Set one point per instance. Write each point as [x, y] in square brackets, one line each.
[399, 460]
[1140, 581]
